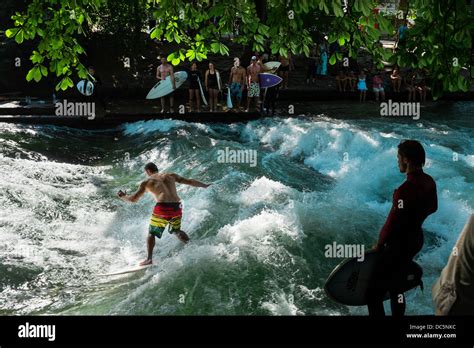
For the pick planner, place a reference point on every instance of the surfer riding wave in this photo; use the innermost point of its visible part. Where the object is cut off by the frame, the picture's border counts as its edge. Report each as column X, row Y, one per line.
column 167, row 211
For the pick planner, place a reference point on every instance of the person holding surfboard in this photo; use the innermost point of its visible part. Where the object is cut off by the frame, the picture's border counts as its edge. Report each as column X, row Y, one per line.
column 167, row 211
column 401, row 237
column 237, row 79
column 253, row 83
column 162, row 72
column 194, row 90
column 213, row 85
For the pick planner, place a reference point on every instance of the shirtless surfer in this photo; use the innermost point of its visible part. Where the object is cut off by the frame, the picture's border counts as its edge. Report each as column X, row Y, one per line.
column 237, row 81
column 253, row 84
column 167, row 210
column 162, row 72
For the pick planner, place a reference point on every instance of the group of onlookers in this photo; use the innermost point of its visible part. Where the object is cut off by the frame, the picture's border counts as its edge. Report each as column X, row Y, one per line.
column 207, row 88
column 411, row 81
column 246, row 79
column 240, row 80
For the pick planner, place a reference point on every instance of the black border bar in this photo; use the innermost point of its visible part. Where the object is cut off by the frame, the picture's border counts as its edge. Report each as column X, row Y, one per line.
column 255, row 330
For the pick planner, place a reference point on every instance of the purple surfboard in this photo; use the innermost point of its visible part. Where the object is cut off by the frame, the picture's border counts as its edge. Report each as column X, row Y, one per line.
column 269, row 80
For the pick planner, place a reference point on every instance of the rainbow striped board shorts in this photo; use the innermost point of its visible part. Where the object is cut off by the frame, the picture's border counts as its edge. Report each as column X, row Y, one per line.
column 165, row 214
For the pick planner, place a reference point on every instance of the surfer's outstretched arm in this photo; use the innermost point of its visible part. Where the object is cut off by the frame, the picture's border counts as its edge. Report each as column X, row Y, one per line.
column 190, row 182
column 136, row 196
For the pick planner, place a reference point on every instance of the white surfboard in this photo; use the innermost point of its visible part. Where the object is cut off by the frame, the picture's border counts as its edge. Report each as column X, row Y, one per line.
column 229, row 99
column 219, row 84
column 165, row 87
column 202, row 92
column 271, row 67
column 85, row 87
column 125, row 271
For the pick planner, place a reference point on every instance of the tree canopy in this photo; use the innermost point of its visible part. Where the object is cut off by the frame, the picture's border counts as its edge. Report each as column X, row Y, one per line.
column 440, row 41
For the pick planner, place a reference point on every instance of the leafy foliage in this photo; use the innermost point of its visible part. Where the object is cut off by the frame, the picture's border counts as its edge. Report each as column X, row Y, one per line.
column 439, row 42
column 56, row 26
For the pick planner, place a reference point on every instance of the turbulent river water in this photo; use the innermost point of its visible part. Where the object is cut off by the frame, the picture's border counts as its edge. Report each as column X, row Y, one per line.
column 258, row 233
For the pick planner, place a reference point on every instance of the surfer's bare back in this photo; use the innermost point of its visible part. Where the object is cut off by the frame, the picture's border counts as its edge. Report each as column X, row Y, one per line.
column 167, row 210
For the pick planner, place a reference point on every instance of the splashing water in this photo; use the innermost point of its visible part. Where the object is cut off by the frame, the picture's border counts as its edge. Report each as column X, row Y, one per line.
column 258, row 233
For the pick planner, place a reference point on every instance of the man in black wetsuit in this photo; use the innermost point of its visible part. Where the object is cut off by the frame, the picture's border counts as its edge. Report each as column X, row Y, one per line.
column 401, row 237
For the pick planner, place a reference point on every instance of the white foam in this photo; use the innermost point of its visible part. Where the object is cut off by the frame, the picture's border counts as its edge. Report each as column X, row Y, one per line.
column 258, row 229
column 262, row 190
column 281, row 305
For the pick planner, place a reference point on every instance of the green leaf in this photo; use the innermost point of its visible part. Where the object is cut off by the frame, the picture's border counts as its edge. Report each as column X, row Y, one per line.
column 36, row 57
column 337, row 9
column 357, row 5
column 156, row 33
column 30, row 74
column 11, row 32
column 191, row 54
column 332, row 60
column 65, row 83
column 341, row 41
column 82, row 73
column 263, row 29
column 306, row 50
column 19, row 37
column 200, row 56
column 37, row 74
column 57, row 43
column 258, row 38
column 215, row 47
column 324, row 6
column 44, row 71
column 283, row 51
column 223, row 50
column 365, row 7
column 168, row 36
